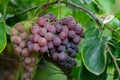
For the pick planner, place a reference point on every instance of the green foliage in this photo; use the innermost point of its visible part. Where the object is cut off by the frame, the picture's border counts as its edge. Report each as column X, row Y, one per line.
column 93, row 54
column 2, row 37
column 94, row 61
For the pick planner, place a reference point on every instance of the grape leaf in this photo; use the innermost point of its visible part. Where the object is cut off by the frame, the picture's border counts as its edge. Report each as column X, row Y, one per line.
column 93, row 54
column 2, row 37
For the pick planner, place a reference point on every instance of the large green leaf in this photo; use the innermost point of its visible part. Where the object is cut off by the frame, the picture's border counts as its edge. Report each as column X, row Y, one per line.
column 93, row 54
column 2, row 37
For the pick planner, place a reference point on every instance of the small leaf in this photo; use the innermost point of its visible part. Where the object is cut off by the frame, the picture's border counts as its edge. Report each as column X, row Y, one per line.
column 93, row 54
column 2, row 37
column 108, row 19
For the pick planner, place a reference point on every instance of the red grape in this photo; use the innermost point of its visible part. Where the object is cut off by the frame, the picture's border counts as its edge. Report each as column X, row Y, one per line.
column 41, row 21
column 42, row 31
column 42, row 42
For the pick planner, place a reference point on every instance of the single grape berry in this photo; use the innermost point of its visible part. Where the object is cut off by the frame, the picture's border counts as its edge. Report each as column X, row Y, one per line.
column 41, row 21
column 65, row 21
column 76, row 39
column 35, row 30
column 44, row 49
column 25, row 52
column 35, row 38
column 47, row 25
column 19, row 27
column 50, row 45
column 35, row 47
column 55, row 56
column 62, row 56
column 61, row 48
column 56, row 41
column 78, row 29
column 73, row 54
column 63, row 35
column 16, row 39
column 49, row 36
column 72, row 25
column 58, row 27
column 42, row 31
column 42, row 42
column 23, row 35
column 71, row 34
column 65, row 29
column 52, row 29
column 13, row 32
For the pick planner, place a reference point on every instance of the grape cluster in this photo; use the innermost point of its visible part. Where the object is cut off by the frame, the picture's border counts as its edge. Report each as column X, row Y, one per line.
column 19, row 37
column 59, row 38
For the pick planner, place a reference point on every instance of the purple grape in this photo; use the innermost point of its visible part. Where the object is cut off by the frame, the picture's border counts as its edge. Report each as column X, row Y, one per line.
column 76, row 39
column 13, row 32
column 53, row 50
column 62, row 56
column 41, row 21
column 52, row 29
column 35, row 47
column 76, row 49
column 70, row 18
column 73, row 54
column 54, row 56
column 65, row 29
column 25, row 52
column 49, row 36
column 47, row 25
column 72, row 45
column 35, row 30
column 63, row 35
column 65, row 21
column 42, row 31
column 56, row 41
column 64, row 42
column 44, row 49
column 71, row 34
column 42, row 42
column 23, row 35
column 72, row 25
column 61, row 48
column 68, row 45
column 29, row 43
column 35, row 38
column 70, row 51
column 19, row 27
column 73, row 63
column 78, row 29
column 50, row 45
column 58, row 27
column 16, row 39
